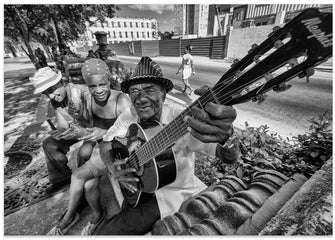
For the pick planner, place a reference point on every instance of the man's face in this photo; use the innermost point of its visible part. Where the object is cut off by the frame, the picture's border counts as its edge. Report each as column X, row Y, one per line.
column 147, row 99
column 56, row 92
column 99, row 87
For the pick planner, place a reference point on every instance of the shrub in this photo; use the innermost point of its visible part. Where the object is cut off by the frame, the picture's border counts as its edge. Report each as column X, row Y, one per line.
column 260, row 150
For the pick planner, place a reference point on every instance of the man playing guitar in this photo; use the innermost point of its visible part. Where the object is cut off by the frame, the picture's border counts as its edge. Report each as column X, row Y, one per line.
column 213, row 124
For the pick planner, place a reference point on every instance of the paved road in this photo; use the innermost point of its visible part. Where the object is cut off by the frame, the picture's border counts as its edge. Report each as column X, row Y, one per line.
column 286, row 113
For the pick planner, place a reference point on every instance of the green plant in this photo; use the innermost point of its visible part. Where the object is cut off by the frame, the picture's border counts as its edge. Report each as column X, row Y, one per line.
column 261, row 150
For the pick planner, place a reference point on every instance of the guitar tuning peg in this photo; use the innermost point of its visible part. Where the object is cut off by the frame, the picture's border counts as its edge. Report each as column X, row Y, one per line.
column 256, row 58
column 274, row 29
column 268, row 76
column 292, row 62
column 307, row 73
column 277, row 44
column 259, row 98
column 253, row 46
column 234, row 62
column 281, row 87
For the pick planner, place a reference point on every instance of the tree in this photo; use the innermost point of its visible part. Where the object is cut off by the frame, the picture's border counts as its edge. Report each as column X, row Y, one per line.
column 166, row 35
column 51, row 24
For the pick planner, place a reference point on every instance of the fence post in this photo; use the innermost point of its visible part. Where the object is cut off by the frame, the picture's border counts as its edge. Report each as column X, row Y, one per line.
column 211, row 48
column 179, row 47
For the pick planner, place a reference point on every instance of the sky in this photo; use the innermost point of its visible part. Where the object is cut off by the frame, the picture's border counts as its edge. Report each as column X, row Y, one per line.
column 162, row 12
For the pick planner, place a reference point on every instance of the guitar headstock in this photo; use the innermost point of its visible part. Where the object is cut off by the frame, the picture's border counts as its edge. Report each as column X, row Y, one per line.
column 293, row 50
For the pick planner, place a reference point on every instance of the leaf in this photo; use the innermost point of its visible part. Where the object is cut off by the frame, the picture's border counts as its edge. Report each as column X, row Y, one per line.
column 239, row 172
column 314, row 154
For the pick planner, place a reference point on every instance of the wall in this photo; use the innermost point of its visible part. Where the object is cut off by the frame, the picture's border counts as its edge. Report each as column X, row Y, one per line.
column 241, row 39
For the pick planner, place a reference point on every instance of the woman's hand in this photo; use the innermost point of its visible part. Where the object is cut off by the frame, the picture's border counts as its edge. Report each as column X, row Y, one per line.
column 93, row 134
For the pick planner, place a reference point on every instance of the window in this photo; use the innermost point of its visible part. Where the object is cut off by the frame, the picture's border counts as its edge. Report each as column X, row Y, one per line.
column 131, row 24
column 109, row 34
column 112, row 24
column 137, row 24
column 138, row 34
column 147, row 25
column 148, row 34
column 132, row 34
column 118, row 24
column 126, row 34
column 120, row 33
column 142, row 25
column 143, row 34
column 106, row 24
column 125, row 24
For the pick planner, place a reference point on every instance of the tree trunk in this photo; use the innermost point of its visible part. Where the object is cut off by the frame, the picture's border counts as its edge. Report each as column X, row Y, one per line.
column 59, row 39
column 23, row 28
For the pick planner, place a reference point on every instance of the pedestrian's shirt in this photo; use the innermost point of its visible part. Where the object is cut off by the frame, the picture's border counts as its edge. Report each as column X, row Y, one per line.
column 188, row 58
column 186, row 185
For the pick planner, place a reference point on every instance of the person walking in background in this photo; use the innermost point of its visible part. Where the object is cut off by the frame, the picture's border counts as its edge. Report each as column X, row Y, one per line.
column 187, row 67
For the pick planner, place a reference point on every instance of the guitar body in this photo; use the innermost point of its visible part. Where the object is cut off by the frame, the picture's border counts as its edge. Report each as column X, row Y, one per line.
column 155, row 172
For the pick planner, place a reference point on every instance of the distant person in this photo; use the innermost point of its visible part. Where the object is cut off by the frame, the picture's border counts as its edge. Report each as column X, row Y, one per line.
column 116, row 67
column 91, row 54
column 42, row 61
column 188, row 68
column 54, row 53
column 113, row 56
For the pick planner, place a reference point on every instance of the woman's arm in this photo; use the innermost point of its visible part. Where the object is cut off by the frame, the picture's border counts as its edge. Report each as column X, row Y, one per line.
column 181, row 67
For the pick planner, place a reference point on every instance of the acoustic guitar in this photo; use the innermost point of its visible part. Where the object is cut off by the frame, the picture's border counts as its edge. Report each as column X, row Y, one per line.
column 303, row 43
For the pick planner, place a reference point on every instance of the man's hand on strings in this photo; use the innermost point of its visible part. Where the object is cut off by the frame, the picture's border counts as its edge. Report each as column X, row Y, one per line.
column 123, row 175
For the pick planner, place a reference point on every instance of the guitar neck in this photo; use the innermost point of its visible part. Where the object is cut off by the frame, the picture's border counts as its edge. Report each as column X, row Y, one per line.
column 171, row 132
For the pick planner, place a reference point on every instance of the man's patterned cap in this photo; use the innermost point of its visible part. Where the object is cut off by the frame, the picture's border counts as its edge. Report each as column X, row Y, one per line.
column 147, row 71
column 94, row 66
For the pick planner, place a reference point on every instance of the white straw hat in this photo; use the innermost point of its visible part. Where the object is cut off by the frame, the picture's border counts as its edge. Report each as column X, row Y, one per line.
column 44, row 78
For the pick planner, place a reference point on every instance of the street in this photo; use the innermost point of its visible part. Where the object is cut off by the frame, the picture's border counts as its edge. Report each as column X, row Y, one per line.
column 286, row 113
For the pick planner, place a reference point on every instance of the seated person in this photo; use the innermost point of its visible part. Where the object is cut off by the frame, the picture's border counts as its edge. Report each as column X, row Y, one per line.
column 101, row 106
column 208, row 129
column 49, row 83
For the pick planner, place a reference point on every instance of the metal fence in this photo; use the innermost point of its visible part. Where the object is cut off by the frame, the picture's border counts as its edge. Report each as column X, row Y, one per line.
column 212, row 47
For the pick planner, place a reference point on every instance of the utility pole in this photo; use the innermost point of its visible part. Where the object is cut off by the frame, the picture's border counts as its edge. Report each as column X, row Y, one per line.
column 218, row 18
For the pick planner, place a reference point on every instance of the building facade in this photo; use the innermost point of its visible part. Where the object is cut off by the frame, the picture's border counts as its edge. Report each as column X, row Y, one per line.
column 203, row 20
column 191, row 20
column 123, row 29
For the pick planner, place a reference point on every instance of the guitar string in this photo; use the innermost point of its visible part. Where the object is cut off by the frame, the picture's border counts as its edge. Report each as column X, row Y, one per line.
column 146, row 152
column 208, row 96
column 221, row 86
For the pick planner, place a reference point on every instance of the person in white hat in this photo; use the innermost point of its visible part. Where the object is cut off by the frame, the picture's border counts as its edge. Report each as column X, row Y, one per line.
column 205, row 129
column 101, row 106
column 49, row 82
